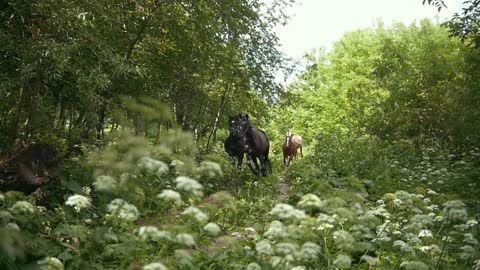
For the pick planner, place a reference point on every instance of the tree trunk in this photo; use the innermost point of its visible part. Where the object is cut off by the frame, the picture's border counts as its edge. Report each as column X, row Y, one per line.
column 213, row 134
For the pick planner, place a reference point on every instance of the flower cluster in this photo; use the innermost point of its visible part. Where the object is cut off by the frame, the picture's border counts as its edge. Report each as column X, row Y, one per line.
column 190, row 185
column 123, row 210
column 211, row 169
column 196, row 213
column 152, row 165
column 169, row 195
column 286, row 211
column 22, row 207
column 78, row 202
column 105, row 183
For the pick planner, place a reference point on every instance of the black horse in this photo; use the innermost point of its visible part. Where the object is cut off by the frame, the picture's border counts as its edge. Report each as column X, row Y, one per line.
column 246, row 139
column 236, row 144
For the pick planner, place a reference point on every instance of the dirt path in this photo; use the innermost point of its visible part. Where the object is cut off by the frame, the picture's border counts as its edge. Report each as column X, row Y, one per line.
column 282, row 187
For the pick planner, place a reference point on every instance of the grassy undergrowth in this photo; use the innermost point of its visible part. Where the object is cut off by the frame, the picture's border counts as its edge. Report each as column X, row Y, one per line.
column 132, row 205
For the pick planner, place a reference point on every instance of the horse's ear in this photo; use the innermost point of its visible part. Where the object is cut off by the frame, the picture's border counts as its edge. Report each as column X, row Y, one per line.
column 246, row 116
column 240, row 115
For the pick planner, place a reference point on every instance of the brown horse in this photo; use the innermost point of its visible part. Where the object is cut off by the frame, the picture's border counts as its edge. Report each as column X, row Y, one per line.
column 290, row 146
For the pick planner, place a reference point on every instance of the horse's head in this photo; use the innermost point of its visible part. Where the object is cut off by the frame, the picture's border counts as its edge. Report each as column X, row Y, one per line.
column 238, row 125
column 288, row 138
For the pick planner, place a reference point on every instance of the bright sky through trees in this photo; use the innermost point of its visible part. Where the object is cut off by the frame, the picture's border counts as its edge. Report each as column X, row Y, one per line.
column 319, row 23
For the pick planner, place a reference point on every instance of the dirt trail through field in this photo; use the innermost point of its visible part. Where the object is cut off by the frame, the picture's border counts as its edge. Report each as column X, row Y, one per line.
column 282, row 187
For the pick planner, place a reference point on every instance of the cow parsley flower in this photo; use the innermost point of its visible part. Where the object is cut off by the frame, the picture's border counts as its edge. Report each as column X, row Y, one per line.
column 369, row 260
column 50, row 263
column 414, row 265
column 196, row 213
column 152, row 165
column 22, row 207
column 310, row 201
column 472, row 223
column 78, row 202
column 212, row 229
column 2, row 197
column 13, row 226
column 210, row 168
column 185, row 239
column 286, row 211
column 286, row 248
column 276, row 230
column 5, row 217
column 155, row 266
column 178, row 165
column 344, row 240
column 123, row 210
column 425, row 233
column 254, row 266
column 264, row 247
column 169, row 195
column 342, row 261
column 190, row 185
column 299, row 268
column 404, row 247
column 310, row 250
column 468, row 252
column 105, row 183
column 153, row 233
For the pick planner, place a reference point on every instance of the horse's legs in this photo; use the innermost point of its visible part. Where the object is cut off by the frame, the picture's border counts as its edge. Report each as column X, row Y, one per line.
column 301, row 154
column 264, row 162
column 285, row 156
column 240, row 160
column 257, row 168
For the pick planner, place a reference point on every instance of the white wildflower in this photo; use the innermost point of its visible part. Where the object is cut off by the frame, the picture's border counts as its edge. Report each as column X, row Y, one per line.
column 404, row 247
column 468, row 238
column 169, row 195
column 310, row 201
column 22, row 207
column 123, row 210
column 50, row 263
column 431, row 191
column 286, row 248
column 472, row 223
column 105, row 183
column 310, row 250
column 212, row 229
column 210, row 168
column 254, row 266
column 178, row 165
column 326, row 218
column 190, row 185
column 86, row 190
column 78, row 202
column 299, row 268
column 196, row 213
column 344, row 240
column 342, row 261
column 286, row 211
column 155, row 266
column 276, row 230
column 369, row 260
column 250, row 230
column 185, row 239
column 425, row 233
column 5, row 216
column 468, row 252
column 264, row 247
column 2, row 197
column 152, row 165
column 13, row 226
column 414, row 265
column 153, row 233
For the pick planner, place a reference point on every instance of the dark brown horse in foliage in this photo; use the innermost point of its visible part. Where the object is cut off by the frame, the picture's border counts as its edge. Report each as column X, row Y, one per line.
column 254, row 142
column 290, row 147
